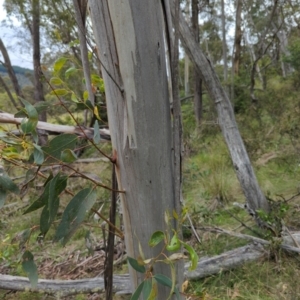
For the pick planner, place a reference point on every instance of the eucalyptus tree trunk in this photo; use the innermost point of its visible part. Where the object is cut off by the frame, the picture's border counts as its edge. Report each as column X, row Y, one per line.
column 224, row 43
column 186, row 57
column 34, row 29
column 236, row 57
column 130, row 41
column 80, row 7
column 197, row 78
column 11, row 74
column 237, row 38
column 227, row 122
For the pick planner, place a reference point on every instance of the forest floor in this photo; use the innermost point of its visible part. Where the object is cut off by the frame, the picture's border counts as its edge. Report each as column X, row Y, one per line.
column 210, row 191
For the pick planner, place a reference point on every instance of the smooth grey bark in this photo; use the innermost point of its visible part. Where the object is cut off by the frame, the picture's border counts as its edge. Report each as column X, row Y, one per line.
column 130, row 42
column 226, row 119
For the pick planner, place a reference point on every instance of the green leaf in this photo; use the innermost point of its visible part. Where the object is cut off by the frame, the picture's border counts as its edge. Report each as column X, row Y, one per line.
column 156, row 238
column 2, row 197
column 6, row 184
column 56, row 81
column 21, row 113
column 147, row 288
column 135, row 265
column 166, row 281
column 193, row 256
column 41, row 106
column 59, row 92
column 28, row 125
column 46, row 218
column 42, row 200
column 96, row 79
column 56, row 186
column 85, row 95
column 96, row 132
column 174, row 244
column 74, row 97
column 38, row 154
column 30, row 110
column 59, row 144
column 68, row 156
column 59, row 63
column 30, row 268
column 138, row 291
column 74, row 214
column 70, row 71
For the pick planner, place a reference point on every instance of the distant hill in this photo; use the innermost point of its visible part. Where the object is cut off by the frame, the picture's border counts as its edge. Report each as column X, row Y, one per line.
column 22, row 74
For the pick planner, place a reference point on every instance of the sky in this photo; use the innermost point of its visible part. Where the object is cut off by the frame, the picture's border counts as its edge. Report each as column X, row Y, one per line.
column 19, row 56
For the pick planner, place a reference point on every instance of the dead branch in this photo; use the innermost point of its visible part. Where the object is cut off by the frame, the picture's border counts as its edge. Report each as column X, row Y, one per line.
column 7, row 118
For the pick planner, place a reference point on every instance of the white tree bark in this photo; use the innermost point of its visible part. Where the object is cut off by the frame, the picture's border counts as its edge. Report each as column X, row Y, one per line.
column 130, row 42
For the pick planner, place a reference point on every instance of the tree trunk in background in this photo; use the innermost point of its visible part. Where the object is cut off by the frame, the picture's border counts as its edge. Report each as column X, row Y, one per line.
column 38, row 74
column 130, row 42
column 80, row 16
column 10, row 96
column 186, row 75
column 11, row 72
column 239, row 156
column 197, row 77
column 237, row 38
column 224, row 43
column 186, row 57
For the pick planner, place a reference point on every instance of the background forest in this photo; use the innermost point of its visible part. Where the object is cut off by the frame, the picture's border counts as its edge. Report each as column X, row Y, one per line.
column 254, row 47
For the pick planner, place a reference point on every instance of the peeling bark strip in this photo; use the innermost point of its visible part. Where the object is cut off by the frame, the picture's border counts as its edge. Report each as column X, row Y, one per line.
column 7, row 118
column 235, row 144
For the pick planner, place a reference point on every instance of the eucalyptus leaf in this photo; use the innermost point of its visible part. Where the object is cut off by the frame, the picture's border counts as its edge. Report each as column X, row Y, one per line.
column 74, row 214
column 156, row 238
column 30, row 268
column 58, row 145
column 137, row 292
column 68, row 156
column 135, row 265
column 59, row 63
column 6, row 184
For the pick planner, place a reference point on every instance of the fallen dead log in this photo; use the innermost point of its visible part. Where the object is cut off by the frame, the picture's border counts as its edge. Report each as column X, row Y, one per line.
column 206, row 266
column 86, row 132
column 121, row 283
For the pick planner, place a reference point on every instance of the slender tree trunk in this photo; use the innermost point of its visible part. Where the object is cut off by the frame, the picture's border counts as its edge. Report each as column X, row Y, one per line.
column 239, row 156
column 130, row 42
column 38, row 74
column 80, row 16
column 224, row 43
column 237, row 46
column 10, row 96
column 237, row 38
column 11, row 72
column 186, row 57
column 197, row 78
